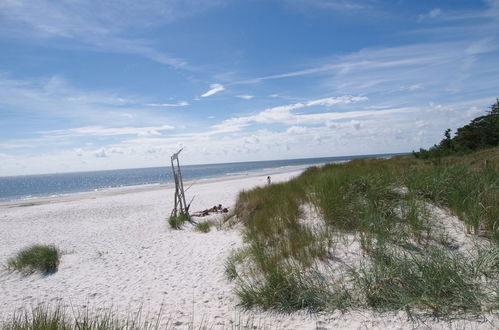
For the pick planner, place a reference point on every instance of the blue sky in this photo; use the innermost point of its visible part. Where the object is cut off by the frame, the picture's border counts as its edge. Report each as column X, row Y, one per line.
column 91, row 85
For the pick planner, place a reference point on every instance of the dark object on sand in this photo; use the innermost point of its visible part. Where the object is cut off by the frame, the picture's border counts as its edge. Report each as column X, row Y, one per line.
column 214, row 209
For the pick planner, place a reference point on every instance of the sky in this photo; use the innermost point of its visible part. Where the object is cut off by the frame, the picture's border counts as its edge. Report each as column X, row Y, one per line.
column 94, row 85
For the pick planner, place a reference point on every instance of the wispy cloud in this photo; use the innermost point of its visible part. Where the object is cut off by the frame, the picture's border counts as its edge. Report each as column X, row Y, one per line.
column 434, row 13
column 245, row 97
column 63, row 104
column 214, row 88
column 446, row 47
column 98, row 24
column 178, row 104
column 109, row 131
column 335, row 5
column 434, row 68
column 345, row 64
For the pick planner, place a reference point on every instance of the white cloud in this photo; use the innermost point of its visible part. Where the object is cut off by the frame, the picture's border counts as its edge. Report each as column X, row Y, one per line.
column 245, row 97
column 474, row 111
column 330, row 101
column 78, row 152
column 214, row 88
column 101, row 153
column 402, row 130
column 297, row 130
column 284, row 115
column 356, row 124
column 109, row 131
column 335, row 5
column 104, row 152
column 178, row 104
column 434, row 13
column 412, row 88
column 61, row 103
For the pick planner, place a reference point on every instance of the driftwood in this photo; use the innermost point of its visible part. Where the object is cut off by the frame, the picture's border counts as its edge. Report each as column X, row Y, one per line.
column 180, row 205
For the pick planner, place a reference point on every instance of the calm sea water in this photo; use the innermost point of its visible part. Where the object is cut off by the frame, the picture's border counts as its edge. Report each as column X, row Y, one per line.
column 33, row 186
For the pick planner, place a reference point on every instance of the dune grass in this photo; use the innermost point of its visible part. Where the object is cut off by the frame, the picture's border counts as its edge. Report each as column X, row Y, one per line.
column 472, row 194
column 177, row 222
column 57, row 318
column 432, row 279
column 384, row 204
column 49, row 317
column 205, row 226
column 42, row 258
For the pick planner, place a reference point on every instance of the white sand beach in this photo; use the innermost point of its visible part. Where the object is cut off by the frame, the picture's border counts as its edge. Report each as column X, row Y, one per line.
column 120, row 253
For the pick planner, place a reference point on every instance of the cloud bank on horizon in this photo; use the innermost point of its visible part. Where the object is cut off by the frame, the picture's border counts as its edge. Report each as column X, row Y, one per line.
column 90, row 85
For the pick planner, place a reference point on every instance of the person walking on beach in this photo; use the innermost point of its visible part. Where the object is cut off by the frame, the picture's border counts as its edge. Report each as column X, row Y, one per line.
column 268, row 180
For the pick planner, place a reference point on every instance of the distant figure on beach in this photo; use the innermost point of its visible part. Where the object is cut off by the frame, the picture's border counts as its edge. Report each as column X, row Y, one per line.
column 268, row 180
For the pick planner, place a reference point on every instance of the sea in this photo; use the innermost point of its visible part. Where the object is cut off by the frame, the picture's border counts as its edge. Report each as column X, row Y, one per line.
column 26, row 187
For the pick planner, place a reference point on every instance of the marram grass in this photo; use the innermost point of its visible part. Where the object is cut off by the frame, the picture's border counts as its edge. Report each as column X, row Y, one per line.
column 177, row 222
column 205, row 226
column 384, row 203
column 42, row 258
column 50, row 317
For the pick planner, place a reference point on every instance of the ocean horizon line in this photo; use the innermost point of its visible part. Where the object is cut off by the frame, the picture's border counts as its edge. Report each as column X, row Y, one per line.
column 209, row 164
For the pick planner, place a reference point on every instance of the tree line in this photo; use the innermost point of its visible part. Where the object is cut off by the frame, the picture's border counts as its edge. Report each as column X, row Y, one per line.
column 481, row 133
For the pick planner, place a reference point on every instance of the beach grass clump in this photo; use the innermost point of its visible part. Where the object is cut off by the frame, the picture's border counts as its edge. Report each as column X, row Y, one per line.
column 432, row 279
column 42, row 258
column 178, row 221
column 471, row 194
column 40, row 318
column 205, row 226
column 46, row 317
column 286, row 290
column 49, row 317
column 236, row 257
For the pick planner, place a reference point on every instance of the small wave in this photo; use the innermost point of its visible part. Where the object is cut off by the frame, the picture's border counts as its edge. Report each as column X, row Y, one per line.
column 236, row 173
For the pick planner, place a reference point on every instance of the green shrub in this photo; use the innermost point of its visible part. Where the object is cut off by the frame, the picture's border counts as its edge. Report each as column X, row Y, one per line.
column 204, row 226
column 43, row 258
column 177, row 222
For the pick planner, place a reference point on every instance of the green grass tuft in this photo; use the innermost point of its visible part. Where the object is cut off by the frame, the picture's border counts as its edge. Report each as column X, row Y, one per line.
column 433, row 280
column 48, row 317
column 43, row 258
column 205, row 226
column 177, row 222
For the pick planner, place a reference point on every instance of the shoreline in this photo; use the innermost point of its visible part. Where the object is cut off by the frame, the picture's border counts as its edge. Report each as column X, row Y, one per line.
column 29, row 200
column 112, row 191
